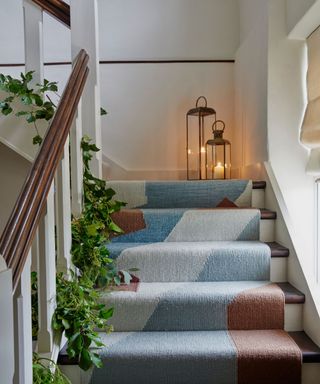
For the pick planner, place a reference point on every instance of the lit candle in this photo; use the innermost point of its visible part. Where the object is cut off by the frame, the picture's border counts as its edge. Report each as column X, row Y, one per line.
column 203, row 162
column 219, row 171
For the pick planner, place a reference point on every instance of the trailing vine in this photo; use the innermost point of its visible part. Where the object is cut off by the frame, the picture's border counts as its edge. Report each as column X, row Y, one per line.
column 78, row 312
column 32, row 103
column 45, row 371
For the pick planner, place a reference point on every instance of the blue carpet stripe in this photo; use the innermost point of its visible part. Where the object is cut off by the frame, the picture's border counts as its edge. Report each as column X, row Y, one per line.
column 168, row 357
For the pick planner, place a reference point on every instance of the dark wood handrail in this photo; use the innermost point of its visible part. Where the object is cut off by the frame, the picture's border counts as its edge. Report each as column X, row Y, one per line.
column 56, row 8
column 17, row 237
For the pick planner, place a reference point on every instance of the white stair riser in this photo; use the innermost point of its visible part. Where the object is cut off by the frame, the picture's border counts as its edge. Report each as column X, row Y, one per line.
column 257, row 200
column 278, row 273
column 293, row 317
column 310, row 373
column 267, row 230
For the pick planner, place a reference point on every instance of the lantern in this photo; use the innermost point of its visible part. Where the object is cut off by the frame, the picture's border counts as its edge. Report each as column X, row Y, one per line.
column 218, row 154
column 198, row 124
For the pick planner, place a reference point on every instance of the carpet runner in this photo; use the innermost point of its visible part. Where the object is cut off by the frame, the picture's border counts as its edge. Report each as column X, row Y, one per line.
column 204, row 309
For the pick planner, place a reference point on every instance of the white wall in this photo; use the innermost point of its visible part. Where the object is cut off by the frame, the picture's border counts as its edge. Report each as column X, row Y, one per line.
column 159, row 29
column 144, row 133
column 296, row 9
column 286, row 104
column 13, row 169
column 250, row 133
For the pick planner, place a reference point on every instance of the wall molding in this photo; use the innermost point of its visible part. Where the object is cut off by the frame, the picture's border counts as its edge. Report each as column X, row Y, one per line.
column 165, row 61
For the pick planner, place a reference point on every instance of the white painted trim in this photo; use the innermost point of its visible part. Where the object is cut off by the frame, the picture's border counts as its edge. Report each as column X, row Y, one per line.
column 307, row 24
column 310, row 280
column 19, row 151
column 6, row 330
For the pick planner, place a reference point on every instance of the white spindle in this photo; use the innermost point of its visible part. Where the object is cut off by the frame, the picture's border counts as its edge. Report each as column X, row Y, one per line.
column 6, row 324
column 85, row 12
column 23, row 327
column 63, row 212
column 46, row 276
column 76, row 163
column 33, row 37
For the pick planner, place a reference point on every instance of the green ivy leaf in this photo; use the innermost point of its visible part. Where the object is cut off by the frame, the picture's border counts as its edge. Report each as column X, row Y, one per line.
column 37, row 140
column 103, row 112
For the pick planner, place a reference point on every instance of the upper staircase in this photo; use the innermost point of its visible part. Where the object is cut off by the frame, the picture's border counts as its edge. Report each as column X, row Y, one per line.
column 210, row 301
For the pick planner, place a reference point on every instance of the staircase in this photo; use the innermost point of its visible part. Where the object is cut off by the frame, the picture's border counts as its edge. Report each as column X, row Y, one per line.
column 211, row 303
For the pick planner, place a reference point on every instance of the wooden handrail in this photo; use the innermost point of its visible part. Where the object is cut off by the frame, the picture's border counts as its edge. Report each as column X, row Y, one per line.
column 56, row 8
column 17, row 237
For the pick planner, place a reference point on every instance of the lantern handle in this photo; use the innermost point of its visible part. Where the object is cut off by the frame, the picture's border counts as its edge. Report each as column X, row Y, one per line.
column 215, row 123
column 205, row 100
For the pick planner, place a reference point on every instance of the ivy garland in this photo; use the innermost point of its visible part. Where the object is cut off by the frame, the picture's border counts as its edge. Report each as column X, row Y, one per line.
column 78, row 312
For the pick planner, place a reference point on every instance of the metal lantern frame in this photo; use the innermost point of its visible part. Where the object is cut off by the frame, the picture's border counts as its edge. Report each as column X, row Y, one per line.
column 218, row 140
column 201, row 112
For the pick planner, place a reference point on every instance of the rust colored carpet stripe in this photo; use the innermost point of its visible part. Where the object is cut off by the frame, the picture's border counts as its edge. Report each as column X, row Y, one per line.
column 267, row 357
column 129, row 220
column 257, row 308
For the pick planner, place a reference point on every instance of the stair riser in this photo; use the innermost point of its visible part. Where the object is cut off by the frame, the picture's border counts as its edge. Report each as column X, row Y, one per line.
column 293, row 319
column 310, row 373
column 267, row 228
column 278, row 272
column 258, row 200
column 292, row 323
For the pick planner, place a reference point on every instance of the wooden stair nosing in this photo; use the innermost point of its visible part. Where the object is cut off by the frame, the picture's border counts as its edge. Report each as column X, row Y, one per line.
column 292, row 295
column 259, row 184
column 266, row 214
column 310, row 350
column 278, row 250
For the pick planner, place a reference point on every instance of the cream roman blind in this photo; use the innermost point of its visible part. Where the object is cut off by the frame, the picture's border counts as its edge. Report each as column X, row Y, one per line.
column 310, row 130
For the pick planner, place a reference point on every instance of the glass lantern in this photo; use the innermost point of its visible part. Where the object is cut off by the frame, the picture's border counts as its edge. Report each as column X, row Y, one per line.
column 218, row 154
column 198, row 126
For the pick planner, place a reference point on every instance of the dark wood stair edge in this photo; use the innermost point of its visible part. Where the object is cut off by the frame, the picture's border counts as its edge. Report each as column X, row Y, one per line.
column 278, row 250
column 259, row 184
column 292, row 295
column 266, row 214
column 310, row 350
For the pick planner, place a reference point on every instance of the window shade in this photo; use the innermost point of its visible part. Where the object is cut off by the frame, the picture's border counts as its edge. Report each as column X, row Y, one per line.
column 310, row 130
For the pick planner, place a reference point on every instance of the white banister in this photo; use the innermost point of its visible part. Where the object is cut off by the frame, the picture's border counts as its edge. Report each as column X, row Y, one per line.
column 6, row 322
column 46, row 276
column 85, row 13
column 63, row 212
column 76, row 163
column 23, row 327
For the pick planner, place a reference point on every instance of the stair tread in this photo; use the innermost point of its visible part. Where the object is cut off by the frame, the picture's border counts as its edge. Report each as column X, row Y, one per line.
column 278, row 250
column 310, row 351
column 259, row 184
column 151, row 289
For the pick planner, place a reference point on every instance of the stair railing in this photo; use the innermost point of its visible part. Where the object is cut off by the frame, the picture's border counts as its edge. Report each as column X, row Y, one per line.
column 56, row 8
column 40, row 225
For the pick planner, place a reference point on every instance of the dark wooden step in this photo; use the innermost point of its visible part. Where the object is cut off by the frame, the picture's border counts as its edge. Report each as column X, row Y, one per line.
column 278, row 250
column 292, row 295
column 260, row 184
column 310, row 350
column 266, row 214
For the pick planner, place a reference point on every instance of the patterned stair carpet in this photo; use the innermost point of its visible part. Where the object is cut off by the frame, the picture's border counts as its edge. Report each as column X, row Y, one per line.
column 204, row 309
